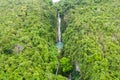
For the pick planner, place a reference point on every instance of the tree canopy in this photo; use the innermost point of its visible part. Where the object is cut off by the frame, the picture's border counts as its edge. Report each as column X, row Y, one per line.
column 90, row 33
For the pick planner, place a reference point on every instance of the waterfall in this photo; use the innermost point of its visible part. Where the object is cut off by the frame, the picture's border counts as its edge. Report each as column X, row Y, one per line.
column 59, row 26
column 59, row 44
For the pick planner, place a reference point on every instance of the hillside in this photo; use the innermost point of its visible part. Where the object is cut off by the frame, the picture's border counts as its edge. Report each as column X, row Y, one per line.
column 27, row 40
column 90, row 33
column 92, row 38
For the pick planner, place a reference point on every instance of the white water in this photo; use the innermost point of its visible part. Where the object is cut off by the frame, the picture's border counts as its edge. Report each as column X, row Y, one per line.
column 59, row 26
column 55, row 1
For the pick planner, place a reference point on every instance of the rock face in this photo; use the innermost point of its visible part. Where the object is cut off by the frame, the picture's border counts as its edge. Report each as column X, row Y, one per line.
column 18, row 48
column 77, row 67
column 70, row 77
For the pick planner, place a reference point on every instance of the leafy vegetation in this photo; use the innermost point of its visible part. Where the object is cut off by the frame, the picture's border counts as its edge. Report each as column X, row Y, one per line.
column 27, row 40
column 92, row 38
column 90, row 33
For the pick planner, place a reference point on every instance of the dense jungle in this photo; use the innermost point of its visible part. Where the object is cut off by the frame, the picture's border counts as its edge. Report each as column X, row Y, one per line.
column 90, row 31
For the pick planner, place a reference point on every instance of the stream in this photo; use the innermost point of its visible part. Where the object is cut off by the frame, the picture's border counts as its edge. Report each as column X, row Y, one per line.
column 59, row 43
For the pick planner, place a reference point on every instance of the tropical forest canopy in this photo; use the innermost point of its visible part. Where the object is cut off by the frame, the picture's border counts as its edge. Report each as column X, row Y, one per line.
column 90, row 33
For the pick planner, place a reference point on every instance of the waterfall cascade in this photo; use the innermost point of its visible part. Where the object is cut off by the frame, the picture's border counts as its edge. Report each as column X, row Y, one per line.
column 59, row 44
column 59, row 26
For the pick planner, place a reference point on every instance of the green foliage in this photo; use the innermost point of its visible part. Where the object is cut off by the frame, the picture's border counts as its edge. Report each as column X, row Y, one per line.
column 92, row 38
column 65, row 64
column 27, row 40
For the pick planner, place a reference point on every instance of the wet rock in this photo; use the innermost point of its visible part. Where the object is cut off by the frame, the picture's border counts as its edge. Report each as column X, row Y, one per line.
column 70, row 77
column 77, row 67
column 18, row 48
